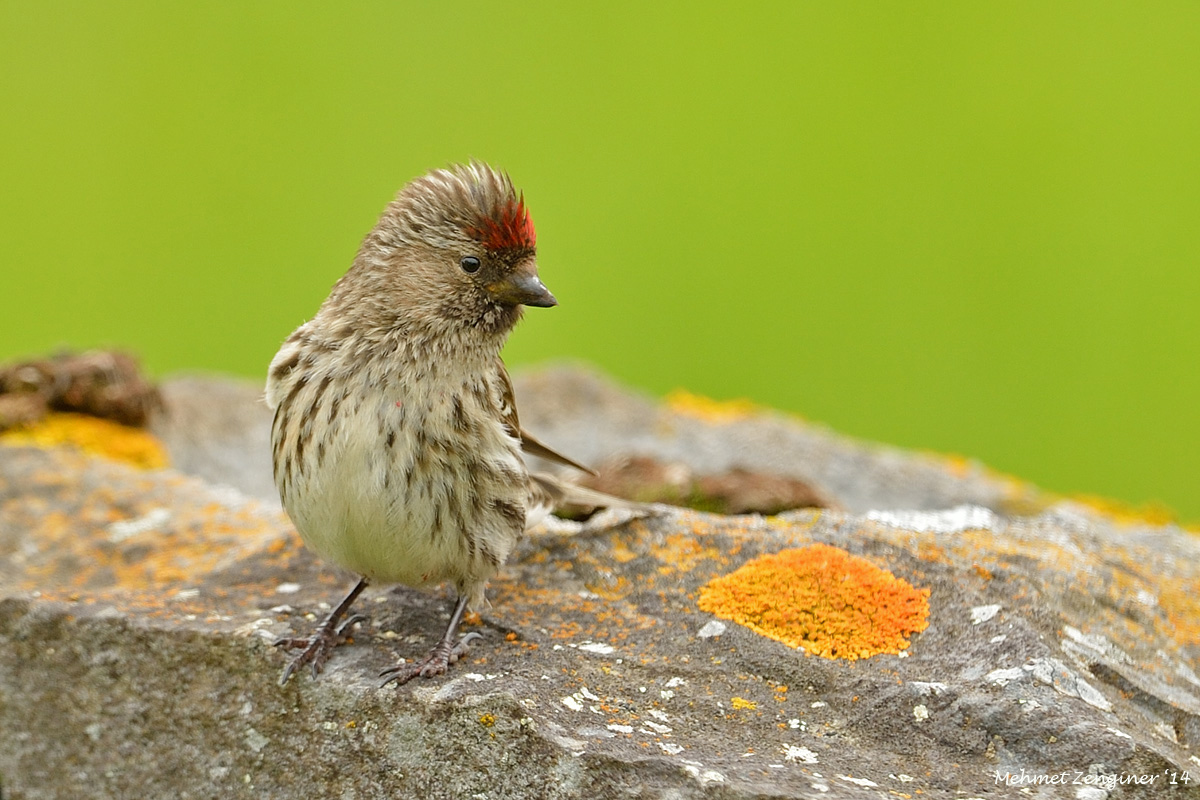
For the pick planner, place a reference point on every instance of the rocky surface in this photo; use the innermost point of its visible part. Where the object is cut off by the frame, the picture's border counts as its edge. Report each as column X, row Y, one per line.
column 136, row 610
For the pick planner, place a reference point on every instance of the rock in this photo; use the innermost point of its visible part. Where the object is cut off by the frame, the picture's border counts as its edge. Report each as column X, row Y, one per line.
column 219, row 430
column 136, row 611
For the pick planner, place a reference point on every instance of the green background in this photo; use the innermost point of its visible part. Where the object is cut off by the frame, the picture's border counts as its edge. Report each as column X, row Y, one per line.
column 963, row 227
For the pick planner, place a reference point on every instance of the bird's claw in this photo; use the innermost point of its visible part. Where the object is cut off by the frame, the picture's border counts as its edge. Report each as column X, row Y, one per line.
column 443, row 654
column 318, row 647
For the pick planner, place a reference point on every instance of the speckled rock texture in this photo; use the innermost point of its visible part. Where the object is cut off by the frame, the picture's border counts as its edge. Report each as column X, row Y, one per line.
column 136, row 611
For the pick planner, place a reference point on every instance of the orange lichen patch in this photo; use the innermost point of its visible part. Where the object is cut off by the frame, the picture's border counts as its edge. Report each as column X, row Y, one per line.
column 94, row 436
column 1181, row 602
column 681, row 551
column 823, row 600
column 705, row 408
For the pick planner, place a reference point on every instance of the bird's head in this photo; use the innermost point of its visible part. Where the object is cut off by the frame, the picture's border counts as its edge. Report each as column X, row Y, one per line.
column 456, row 248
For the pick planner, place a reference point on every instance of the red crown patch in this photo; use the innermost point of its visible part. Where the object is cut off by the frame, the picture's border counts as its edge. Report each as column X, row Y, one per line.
column 511, row 227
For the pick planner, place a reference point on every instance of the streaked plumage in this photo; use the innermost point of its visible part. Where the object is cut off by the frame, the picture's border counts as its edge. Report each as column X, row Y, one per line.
column 397, row 446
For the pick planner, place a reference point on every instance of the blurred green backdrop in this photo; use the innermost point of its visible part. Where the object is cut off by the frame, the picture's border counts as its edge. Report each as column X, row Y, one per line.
column 963, row 227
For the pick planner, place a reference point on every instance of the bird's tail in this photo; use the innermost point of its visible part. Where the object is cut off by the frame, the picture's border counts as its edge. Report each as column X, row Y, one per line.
column 549, row 493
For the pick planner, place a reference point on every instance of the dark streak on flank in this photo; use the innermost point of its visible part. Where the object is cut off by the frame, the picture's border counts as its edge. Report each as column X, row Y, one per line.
column 278, row 427
column 300, row 383
column 461, row 423
column 512, row 513
column 460, row 519
column 435, row 529
column 334, row 405
column 316, row 401
column 310, row 411
column 490, row 555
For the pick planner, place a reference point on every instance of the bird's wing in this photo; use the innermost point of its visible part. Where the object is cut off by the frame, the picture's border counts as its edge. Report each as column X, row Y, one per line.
column 535, row 448
column 508, row 413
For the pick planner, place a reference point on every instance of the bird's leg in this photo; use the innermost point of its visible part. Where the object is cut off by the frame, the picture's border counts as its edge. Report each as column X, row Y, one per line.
column 444, row 653
column 328, row 635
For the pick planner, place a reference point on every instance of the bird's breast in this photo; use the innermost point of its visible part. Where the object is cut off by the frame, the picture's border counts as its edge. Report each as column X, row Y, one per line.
column 411, row 481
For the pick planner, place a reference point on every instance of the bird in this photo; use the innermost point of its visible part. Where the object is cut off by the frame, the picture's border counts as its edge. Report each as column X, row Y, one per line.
column 396, row 445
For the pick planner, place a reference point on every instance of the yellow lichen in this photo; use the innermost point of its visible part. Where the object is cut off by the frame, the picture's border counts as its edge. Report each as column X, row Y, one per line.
column 743, row 703
column 1122, row 513
column 94, row 436
column 694, row 405
column 823, row 600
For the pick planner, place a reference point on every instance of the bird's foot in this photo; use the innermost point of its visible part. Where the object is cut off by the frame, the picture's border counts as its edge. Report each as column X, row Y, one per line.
column 443, row 654
column 316, row 648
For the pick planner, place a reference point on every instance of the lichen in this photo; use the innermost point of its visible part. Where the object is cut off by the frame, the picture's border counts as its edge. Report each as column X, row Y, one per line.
column 705, row 408
column 94, row 436
column 1123, row 513
column 821, row 599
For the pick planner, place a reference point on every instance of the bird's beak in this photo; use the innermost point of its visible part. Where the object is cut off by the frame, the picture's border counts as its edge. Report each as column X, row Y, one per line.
column 522, row 287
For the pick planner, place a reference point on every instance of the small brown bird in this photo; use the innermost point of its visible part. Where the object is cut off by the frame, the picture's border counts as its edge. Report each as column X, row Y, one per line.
column 397, row 448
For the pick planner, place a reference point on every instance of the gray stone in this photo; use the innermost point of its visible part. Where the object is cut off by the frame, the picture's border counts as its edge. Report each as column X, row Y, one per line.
column 219, row 430
column 136, row 611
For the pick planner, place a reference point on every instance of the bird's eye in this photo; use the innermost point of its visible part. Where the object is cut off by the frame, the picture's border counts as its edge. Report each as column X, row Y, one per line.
column 469, row 264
